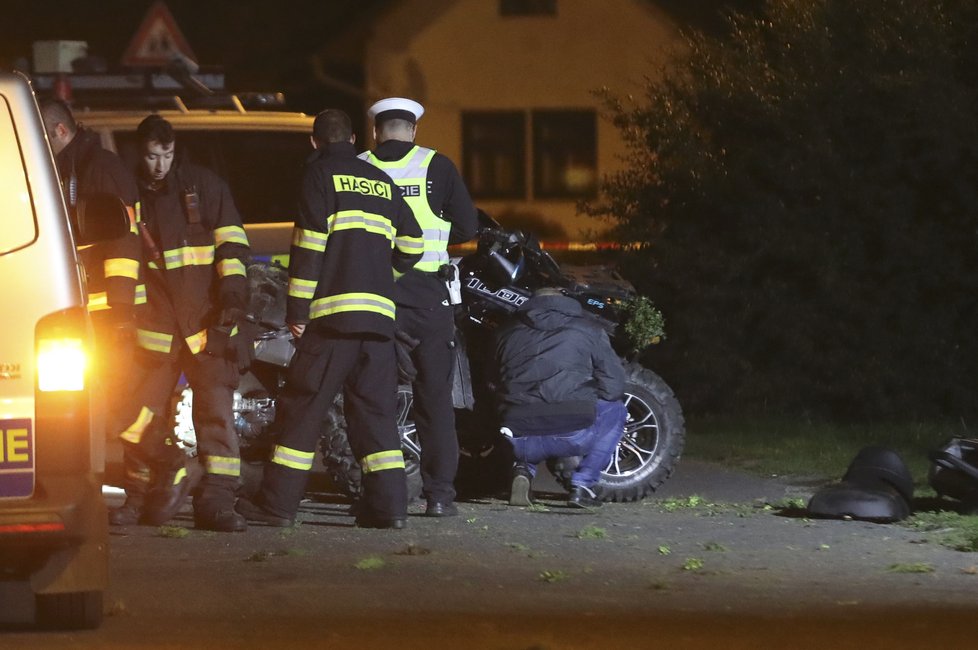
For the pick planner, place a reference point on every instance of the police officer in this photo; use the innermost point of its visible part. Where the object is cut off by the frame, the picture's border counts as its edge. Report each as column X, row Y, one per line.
column 434, row 190
column 341, row 311
column 197, row 292
column 112, row 268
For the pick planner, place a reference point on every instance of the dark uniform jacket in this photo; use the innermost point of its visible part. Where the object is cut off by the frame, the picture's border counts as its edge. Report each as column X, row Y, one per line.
column 449, row 198
column 353, row 227
column 554, row 363
column 112, row 267
column 202, row 254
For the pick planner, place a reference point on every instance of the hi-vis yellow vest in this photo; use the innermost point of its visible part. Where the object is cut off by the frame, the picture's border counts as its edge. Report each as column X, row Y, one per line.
column 410, row 173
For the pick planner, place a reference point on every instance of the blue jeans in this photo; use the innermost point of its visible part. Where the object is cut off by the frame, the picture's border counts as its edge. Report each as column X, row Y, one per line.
column 595, row 443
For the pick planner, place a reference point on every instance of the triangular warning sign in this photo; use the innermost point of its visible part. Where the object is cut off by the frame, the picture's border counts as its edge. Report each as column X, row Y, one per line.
column 157, row 40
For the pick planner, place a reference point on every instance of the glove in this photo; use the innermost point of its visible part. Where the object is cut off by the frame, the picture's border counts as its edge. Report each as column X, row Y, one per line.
column 230, row 316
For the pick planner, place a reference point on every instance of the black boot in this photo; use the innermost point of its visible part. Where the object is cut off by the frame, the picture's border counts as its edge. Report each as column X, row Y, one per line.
column 129, row 513
column 168, row 493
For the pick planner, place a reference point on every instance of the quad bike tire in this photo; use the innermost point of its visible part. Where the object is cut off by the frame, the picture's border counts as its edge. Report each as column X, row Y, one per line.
column 651, row 446
column 342, row 468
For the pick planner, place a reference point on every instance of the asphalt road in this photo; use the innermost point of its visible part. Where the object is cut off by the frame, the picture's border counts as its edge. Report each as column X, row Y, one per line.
column 700, row 564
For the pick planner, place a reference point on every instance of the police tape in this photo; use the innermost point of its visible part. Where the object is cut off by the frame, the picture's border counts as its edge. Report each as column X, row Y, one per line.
column 564, row 246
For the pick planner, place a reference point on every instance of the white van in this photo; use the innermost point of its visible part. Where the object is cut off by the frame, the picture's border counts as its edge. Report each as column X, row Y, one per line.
column 53, row 523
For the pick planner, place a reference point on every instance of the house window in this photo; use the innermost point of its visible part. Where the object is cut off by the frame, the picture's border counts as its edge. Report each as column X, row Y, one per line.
column 565, row 158
column 527, row 7
column 493, row 154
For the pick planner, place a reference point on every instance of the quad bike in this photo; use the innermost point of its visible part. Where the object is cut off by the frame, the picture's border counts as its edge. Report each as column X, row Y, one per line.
column 495, row 280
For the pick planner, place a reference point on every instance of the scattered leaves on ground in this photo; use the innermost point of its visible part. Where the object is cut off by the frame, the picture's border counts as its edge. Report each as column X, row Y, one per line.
column 971, row 570
column 173, row 532
column 471, row 520
column 553, row 576
column 715, row 547
column 537, row 507
column 949, row 529
column 673, row 504
column 290, row 530
column 911, row 567
column 592, row 532
column 693, row 564
column 664, row 549
column 371, row 563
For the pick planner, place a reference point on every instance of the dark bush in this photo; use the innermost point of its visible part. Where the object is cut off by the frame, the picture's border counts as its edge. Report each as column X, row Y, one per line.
column 806, row 187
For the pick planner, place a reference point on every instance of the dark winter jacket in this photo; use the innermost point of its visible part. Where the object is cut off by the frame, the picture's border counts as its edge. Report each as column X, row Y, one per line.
column 353, row 230
column 112, row 267
column 553, row 363
column 203, row 252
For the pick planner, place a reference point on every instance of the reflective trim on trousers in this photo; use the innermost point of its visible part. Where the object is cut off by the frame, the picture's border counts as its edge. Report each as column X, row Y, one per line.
column 223, row 465
column 300, row 460
column 382, row 460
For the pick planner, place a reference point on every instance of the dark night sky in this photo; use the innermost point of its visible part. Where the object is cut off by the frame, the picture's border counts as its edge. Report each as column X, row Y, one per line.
column 262, row 45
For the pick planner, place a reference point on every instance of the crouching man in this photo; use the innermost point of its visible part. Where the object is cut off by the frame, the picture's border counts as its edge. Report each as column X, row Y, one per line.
column 560, row 388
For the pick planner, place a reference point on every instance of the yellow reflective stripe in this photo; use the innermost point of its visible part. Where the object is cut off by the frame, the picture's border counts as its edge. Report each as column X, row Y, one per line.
column 309, row 239
column 281, row 260
column 223, row 465
column 301, row 460
column 121, row 267
column 134, row 432
column 180, row 475
column 98, row 301
column 155, row 341
column 230, row 267
column 299, row 288
column 382, row 460
column 356, row 219
column 140, row 298
column 197, row 342
column 188, row 256
column 352, row 302
column 133, row 218
column 152, row 265
column 407, row 244
column 230, row 235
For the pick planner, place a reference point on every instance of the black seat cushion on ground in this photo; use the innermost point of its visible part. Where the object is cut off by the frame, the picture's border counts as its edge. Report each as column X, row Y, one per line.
column 877, row 486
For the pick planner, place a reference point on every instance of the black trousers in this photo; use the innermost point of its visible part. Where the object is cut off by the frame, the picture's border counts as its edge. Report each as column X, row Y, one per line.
column 366, row 370
column 434, row 413
column 147, row 436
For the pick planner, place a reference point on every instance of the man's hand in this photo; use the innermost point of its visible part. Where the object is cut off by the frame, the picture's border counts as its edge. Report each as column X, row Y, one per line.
column 297, row 329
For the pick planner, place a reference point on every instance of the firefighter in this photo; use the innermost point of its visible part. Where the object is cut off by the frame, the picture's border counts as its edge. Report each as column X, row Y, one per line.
column 112, row 268
column 434, row 190
column 197, row 288
column 352, row 227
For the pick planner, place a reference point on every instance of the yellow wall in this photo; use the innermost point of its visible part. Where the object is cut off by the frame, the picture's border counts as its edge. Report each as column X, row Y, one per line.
column 458, row 55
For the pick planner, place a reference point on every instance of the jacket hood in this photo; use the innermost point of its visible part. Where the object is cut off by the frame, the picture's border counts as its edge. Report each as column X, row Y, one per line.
column 549, row 312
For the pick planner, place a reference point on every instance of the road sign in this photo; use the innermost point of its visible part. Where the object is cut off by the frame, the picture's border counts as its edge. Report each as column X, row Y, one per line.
column 157, row 41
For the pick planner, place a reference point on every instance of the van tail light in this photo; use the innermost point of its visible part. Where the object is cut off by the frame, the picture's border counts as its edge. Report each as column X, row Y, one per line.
column 62, row 364
column 63, row 391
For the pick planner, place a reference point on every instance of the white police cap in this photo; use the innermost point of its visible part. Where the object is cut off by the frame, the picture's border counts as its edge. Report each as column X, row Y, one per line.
column 396, row 108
